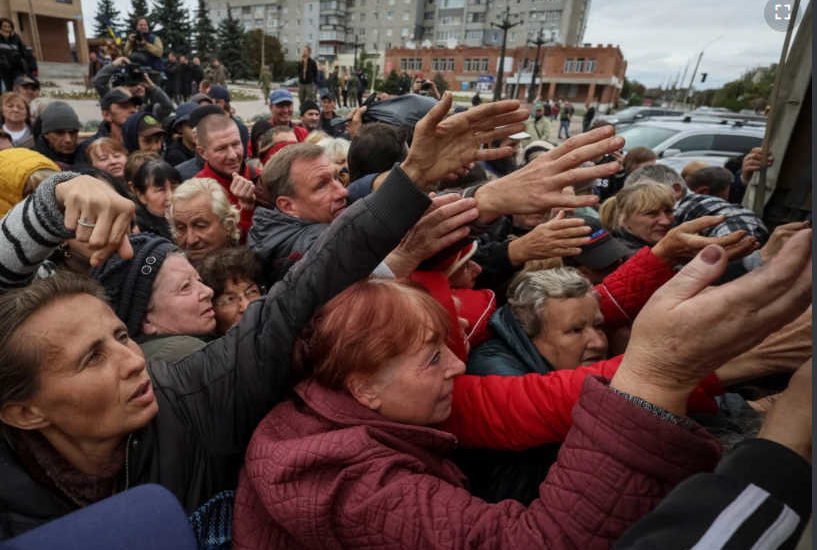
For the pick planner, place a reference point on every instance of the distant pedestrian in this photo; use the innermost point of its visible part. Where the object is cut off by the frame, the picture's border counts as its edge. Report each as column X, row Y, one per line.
column 307, row 74
column 265, row 83
column 343, row 85
column 565, row 112
column 589, row 115
column 352, row 87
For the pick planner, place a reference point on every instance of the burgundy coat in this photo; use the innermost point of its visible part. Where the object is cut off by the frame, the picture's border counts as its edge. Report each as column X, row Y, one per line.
column 324, row 472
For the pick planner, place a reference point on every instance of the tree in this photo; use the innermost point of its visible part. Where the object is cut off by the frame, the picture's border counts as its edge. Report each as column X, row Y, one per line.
column 170, row 23
column 750, row 91
column 106, row 15
column 440, row 83
column 205, row 34
column 139, row 9
column 232, row 41
column 392, row 83
column 273, row 55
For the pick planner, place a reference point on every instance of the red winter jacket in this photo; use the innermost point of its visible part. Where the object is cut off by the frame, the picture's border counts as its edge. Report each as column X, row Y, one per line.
column 624, row 292
column 323, row 472
column 245, row 221
column 521, row 412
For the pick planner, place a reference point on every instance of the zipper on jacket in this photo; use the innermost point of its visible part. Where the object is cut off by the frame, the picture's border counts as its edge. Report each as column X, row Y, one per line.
column 127, row 462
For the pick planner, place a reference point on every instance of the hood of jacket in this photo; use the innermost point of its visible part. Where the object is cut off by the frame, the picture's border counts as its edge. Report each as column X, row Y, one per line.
column 510, row 349
column 130, row 131
column 276, row 236
column 63, row 161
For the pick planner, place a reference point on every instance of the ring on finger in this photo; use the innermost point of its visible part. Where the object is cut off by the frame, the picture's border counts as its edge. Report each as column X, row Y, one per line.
column 86, row 223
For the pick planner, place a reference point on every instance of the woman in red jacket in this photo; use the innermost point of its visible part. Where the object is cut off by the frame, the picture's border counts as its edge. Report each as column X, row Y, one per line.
column 355, row 459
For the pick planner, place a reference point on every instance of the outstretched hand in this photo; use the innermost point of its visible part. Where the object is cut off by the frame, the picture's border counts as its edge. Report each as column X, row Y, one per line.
column 684, row 241
column 99, row 216
column 687, row 329
column 441, row 146
column 537, row 186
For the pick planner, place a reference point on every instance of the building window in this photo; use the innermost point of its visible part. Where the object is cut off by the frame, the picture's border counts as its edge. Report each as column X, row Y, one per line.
column 467, row 66
column 569, row 64
column 388, row 32
column 405, row 16
column 553, row 15
column 363, row 16
column 402, row 63
column 450, row 63
column 478, row 17
column 484, row 67
column 590, row 66
column 579, row 65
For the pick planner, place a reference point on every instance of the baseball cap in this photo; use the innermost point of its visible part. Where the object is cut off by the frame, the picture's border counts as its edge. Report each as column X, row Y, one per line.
column 280, row 96
column 118, row 96
column 199, row 97
column 328, row 96
column 183, row 113
column 220, row 92
column 202, row 111
column 149, row 126
column 603, row 249
column 26, row 80
column 309, row 105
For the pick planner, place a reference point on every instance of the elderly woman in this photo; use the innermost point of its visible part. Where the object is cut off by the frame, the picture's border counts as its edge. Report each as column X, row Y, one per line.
column 202, row 218
column 108, row 155
column 234, row 275
column 15, row 117
column 152, row 187
column 357, row 458
column 640, row 214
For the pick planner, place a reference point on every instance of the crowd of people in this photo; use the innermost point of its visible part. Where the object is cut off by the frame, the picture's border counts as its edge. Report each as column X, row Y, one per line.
column 407, row 327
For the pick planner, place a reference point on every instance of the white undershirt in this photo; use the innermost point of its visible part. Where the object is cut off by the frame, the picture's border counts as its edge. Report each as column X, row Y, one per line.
column 15, row 136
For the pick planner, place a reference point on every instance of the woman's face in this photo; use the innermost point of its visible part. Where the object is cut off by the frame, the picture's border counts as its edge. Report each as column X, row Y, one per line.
column 14, row 111
column 572, row 333
column 93, row 385
column 179, row 303
column 416, row 387
column 5, row 28
column 231, row 303
column 650, row 226
column 156, row 199
column 112, row 162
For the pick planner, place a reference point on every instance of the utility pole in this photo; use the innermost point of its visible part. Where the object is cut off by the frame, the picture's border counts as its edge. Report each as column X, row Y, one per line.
column 506, row 25
column 539, row 43
column 356, row 45
column 688, row 94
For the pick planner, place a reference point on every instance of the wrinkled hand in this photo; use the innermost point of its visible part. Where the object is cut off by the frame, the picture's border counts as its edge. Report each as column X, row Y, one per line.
column 687, row 330
column 354, row 125
column 95, row 202
column 244, row 190
column 789, row 420
column 683, row 241
column 555, row 238
column 119, row 61
column 537, row 186
column 752, row 162
column 778, row 238
column 442, row 145
column 444, row 223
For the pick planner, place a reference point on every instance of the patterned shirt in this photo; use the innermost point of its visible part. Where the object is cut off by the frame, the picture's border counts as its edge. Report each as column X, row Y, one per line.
column 694, row 206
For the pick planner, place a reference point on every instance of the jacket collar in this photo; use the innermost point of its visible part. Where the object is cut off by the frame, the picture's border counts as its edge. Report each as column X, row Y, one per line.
column 507, row 329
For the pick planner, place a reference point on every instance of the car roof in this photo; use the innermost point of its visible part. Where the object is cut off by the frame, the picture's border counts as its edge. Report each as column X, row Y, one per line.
column 677, row 124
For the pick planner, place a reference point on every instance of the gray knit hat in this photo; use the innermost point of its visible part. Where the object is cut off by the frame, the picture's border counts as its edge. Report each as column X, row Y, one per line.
column 129, row 283
column 59, row 116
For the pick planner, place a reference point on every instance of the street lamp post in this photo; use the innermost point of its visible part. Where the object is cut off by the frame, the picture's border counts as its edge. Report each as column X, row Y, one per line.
column 506, row 25
column 356, row 45
column 539, row 43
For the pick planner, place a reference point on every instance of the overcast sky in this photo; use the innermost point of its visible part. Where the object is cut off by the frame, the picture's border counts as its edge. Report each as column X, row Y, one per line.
column 659, row 37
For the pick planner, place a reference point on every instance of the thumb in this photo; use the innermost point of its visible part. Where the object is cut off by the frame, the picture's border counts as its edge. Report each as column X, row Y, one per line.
column 702, row 271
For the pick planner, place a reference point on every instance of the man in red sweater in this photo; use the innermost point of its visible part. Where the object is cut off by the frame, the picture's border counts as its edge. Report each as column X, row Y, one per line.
column 218, row 142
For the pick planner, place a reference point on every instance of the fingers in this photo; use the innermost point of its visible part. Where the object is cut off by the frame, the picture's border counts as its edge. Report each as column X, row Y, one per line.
column 587, row 138
column 480, row 118
column 436, row 114
column 699, row 224
column 740, row 249
column 441, row 200
column 519, row 115
column 500, row 133
column 580, row 175
column 560, row 200
column 791, row 227
column 590, row 151
column 494, row 153
column 704, row 269
column 102, row 230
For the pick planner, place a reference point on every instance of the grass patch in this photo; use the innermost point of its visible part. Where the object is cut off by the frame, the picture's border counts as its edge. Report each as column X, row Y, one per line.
column 241, row 95
column 84, row 94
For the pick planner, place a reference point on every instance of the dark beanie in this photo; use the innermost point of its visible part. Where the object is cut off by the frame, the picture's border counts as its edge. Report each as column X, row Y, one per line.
column 307, row 105
column 58, row 116
column 129, row 283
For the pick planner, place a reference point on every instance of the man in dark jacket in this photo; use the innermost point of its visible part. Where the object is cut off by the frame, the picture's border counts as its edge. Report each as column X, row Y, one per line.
column 138, row 83
column 196, row 73
column 588, row 117
column 58, row 140
column 307, row 75
column 173, row 72
column 185, row 78
column 117, row 106
column 182, row 148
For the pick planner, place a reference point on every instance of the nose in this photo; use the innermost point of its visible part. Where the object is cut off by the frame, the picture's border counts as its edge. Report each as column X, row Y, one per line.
column 665, row 218
column 454, row 367
column 205, row 293
column 341, row 192
column 133, row 362
column 243, row 302
column 597, row 340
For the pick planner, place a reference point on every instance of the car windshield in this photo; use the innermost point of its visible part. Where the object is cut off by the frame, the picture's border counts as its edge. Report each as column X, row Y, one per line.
column 629, row 112
column 645, row 136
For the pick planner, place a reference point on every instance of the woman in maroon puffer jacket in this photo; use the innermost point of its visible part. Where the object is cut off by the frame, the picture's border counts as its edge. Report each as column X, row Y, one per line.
column 354, row 459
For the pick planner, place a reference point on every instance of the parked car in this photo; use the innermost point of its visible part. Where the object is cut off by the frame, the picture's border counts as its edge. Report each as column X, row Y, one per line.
column 631, row 115
column 290, row 82
column 676, row 138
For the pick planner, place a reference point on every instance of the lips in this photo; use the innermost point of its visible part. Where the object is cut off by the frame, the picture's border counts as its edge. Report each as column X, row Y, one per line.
column 209, row 312
column 144, row 393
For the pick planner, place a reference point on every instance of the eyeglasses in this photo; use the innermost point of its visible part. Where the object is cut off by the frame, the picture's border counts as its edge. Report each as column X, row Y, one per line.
column 232, row 299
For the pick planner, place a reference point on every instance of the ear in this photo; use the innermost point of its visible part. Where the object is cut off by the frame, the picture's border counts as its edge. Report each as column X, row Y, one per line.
column 23, row 416
column 702, row 190
column 106, row 116
column 148, row 328
column 678, row 189
column 364, row 391
column 200, row 150
column 287, row 206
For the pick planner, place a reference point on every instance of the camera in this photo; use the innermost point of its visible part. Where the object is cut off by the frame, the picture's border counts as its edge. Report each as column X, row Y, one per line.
column 128, row 75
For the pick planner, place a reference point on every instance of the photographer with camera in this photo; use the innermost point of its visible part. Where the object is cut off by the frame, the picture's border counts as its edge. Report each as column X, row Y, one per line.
column 124, row 72
column 144, row 48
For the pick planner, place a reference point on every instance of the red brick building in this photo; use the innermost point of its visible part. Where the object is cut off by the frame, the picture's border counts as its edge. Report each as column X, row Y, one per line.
column 580, row 74
column 43, row 25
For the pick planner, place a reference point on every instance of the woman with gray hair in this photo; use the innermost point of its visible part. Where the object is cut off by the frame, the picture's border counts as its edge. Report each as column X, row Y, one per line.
column 202, row 219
